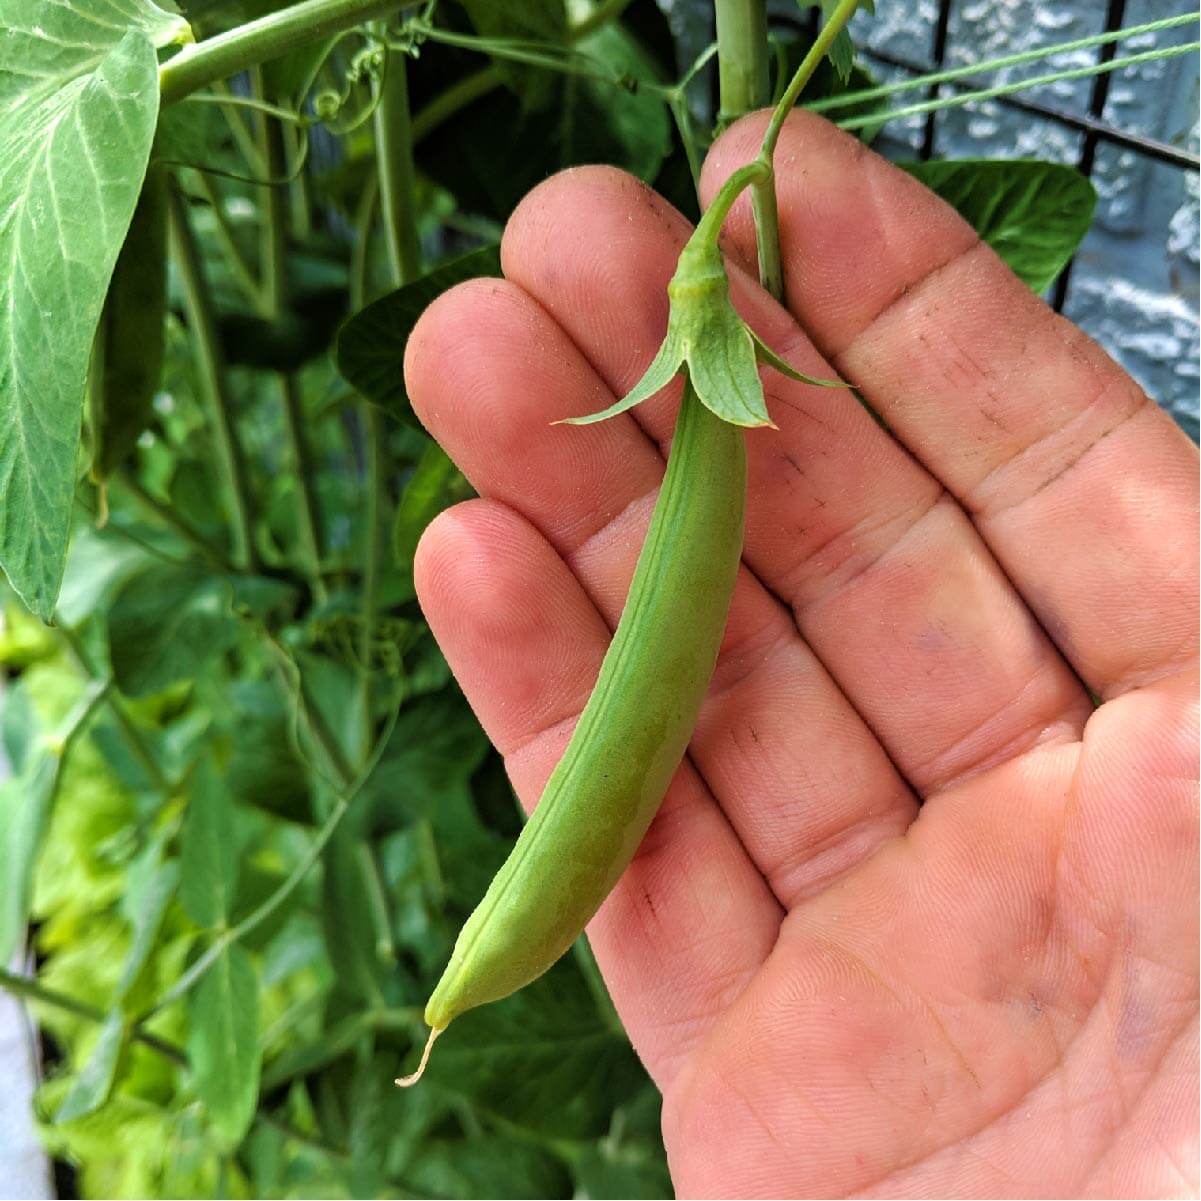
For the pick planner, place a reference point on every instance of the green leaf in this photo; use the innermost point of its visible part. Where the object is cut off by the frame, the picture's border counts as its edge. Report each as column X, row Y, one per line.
column 602, row 1171
column 166, row 624
column 263, row 768
column 370, row 346
column 1033, row 214
column 543, row 21
column 542, row 1058
column 436, row 484
column 98, row 562
column 493, row 152
column 488, row 1166
column 841, row 53
column 152, row 886
column 94, row 1081
column 207, row 866
column 26, row 801
column 78, row 103
column 49, row 43
column 223, row 1043
column 354, row 933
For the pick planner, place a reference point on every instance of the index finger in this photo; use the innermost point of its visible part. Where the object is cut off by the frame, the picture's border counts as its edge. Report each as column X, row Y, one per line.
column 1084, row 489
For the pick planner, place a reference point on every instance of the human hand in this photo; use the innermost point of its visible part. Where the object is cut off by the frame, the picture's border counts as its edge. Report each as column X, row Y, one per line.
column 838, row 992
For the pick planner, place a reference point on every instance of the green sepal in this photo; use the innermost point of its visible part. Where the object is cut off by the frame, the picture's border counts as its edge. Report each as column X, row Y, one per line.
column 769, row 356
column 664, row 365
column 722, row 367
column 706, row 335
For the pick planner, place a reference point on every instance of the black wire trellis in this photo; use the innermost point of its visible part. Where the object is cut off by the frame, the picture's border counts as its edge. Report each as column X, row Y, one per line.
column 1092, row 124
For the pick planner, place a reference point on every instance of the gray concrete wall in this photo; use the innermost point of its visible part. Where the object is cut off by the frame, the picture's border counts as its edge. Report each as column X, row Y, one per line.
column 1135, row 283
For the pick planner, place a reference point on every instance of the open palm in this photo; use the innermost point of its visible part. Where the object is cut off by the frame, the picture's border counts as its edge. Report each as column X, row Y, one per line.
column 839, row 992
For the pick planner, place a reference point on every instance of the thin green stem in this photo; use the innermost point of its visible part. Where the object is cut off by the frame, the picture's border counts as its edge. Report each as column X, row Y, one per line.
column 176, row 524
column 269, row 37
column 212, row 373
column 764, row 203
column 531, row 54
column 295, row 878
column 398, row 208
column 377, row 902
column 456, row 97
column 238, row 266
column 273, row 270
column 920, row 82
column 1007, row 89
column 288, row 115
column 31, row 990
column 397, row 174
column 307, row 514
column 272, row 227
column 238, row 128
column 680, row 114
column 821, row 44
column 375, row 434
column 742, row 64
column 364, row 219
column 719, row 207
column 300, row 209
column 133, row 736
column 743, row 88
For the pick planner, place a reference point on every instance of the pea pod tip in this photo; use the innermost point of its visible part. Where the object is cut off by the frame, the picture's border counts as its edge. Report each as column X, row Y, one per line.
column 411, row 1079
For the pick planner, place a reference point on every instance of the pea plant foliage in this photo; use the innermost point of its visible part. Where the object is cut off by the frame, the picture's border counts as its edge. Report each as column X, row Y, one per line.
column 247, row 809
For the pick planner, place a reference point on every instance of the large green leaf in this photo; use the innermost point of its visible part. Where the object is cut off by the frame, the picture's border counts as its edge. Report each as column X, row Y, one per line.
column 539, row 21
column 165, row 624
column 50, row 43
column 1033, row 214
column 370, row 347
column 208, row 871
column 26, row 801
column 151, row 886
column 94, row 1081
column 489, row 1166
column 78, row 105
column 494, row 151
column 223, row 1043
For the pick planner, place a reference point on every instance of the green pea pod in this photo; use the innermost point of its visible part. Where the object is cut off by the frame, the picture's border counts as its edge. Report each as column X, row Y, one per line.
column 631, row 735
column 128, row 358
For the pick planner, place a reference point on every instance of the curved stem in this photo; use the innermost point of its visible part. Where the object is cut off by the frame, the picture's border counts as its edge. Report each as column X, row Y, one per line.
column 719, row 207
column 767, row 222
column 821, row 44
column 743, row 90
column 258, row 41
